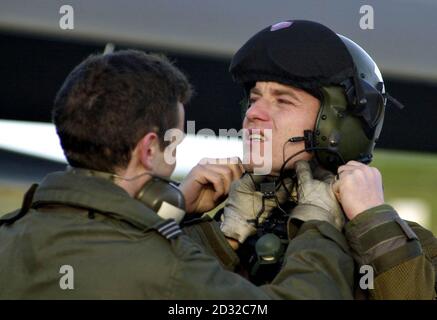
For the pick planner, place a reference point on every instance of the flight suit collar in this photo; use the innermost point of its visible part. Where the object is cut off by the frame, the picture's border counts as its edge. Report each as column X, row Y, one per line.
column 75, row 189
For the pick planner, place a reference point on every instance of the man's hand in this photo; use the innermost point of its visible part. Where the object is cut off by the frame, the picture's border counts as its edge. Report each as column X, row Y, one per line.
column 208, row 183
column 316, row 200
column 245, row 203
column 358, row 188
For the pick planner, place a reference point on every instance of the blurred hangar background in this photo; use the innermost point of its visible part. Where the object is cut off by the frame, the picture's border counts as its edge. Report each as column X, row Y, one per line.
column 201, row 36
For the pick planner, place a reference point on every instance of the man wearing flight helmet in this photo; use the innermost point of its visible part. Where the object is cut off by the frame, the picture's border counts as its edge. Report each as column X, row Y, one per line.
column 319, row 99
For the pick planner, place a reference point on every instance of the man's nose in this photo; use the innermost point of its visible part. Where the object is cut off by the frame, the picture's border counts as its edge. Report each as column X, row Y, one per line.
column 258, row 110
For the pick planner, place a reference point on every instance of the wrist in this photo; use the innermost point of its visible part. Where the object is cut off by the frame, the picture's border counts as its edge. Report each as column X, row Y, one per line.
column 380, row 238
column 359, row 208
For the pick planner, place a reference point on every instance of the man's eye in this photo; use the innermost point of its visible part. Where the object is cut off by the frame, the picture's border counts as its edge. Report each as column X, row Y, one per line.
column 252, row 100
column 284, row 101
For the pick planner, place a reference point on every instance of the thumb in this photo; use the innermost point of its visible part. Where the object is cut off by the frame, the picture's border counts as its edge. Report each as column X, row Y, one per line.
column 303, row 172
column 335, row 186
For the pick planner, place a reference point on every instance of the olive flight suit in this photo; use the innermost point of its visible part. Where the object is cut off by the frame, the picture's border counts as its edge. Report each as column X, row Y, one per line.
column 83, row 237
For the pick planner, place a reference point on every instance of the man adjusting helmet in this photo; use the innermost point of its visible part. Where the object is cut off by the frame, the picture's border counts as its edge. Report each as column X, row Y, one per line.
column 316, row 100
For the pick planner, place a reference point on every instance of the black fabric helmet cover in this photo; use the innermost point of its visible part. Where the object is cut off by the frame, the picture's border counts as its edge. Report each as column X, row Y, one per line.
column 313, row 56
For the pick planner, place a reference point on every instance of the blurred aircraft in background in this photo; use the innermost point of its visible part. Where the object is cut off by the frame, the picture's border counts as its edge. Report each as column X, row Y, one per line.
column 37, row 139
column 201, row 36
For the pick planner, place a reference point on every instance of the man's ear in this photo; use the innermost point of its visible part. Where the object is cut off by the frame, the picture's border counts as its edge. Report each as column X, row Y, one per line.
column 148, row 148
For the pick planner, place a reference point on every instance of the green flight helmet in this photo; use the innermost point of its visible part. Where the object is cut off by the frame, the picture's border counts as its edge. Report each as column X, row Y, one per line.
column 348, row 124
column 331, row 67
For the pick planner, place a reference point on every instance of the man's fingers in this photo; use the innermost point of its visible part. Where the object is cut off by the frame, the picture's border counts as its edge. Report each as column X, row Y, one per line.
column 226, row 174
column 303, row 172
column 355, row 163
column 348, row 167
column 233, row 163
column 237, row 164
column 237, row 167
column 237, row 170
column 217, row 181
column 358, row 169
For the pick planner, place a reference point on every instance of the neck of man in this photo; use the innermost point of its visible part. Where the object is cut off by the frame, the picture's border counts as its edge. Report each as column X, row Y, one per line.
column 133, row 179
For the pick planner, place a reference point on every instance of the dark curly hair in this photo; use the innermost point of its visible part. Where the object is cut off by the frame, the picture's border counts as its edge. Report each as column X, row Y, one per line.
column 109, row 102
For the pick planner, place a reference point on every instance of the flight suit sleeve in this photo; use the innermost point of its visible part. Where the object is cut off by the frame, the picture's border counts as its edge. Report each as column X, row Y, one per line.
column 316, row 266
column 379, row 238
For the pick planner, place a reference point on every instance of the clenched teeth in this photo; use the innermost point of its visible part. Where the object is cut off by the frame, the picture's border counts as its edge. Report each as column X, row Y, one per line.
column 256, row 137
